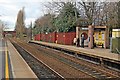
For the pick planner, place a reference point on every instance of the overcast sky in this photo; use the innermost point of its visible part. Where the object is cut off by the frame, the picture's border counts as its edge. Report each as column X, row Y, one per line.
column 9, row 10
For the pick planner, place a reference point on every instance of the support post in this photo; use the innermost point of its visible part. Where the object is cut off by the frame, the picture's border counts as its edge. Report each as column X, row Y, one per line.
column 106, row 44
column 77, row 31
column 90, row 36
column 77, row 35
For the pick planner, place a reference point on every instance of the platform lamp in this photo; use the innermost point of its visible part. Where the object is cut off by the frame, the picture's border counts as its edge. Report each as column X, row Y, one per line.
column 31, row 33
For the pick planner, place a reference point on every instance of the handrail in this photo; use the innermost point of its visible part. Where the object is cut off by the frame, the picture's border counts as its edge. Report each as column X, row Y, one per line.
column 117, row 51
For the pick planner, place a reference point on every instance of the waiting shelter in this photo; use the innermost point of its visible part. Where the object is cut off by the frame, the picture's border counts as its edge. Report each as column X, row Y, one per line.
column 94, row 35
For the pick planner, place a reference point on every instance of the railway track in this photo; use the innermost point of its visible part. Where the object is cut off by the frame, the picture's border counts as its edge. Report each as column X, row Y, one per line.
column 72, row 62
column 64, row 70
column 81, row 65
column 40, row 68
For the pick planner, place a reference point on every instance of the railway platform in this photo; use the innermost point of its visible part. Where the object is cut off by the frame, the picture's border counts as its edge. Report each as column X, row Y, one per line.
column 2, row 58
column 12, row 65
column 96, row 52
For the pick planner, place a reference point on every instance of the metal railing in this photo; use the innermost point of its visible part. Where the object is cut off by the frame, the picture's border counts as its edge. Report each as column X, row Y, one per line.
column 117, row 51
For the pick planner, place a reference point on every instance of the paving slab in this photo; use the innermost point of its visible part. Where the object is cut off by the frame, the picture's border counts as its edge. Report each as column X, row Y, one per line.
column 20, row 68
column 105, row 53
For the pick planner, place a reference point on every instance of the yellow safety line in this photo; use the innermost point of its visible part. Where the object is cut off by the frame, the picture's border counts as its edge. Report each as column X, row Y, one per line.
column 6, row 64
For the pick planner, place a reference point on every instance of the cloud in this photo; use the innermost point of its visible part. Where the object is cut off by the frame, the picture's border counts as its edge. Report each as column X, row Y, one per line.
column 8, row 18
column 25, row 1
column 9, row 6
column 9, row 21
column 9, row 10
column 29, row 20
column 33, row 9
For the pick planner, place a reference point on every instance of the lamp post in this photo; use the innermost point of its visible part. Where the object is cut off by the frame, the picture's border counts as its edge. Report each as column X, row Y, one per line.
column 31, row 34
column 75, row 11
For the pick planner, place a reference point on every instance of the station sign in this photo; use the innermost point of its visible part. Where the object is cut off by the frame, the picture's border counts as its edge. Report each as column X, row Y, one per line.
column 84, row 28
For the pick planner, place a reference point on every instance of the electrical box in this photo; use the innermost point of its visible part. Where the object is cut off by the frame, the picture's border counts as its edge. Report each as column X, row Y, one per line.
column 115, row 41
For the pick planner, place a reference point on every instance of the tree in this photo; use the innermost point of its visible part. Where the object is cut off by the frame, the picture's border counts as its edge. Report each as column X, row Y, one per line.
column 1, row 28
column 67, row 14
column 20, row 25
column 109, row 15
column 66, row 19
column 44, row 24
column 118, row 13
column 88, row 11
column 29, row 32
column 99, row 13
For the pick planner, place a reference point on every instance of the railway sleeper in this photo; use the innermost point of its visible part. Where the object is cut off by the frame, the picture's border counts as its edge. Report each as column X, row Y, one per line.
column 89, row 58
column 40, row 70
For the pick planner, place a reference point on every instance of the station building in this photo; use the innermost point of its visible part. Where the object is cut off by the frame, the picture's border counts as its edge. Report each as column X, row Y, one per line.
column 9, row 33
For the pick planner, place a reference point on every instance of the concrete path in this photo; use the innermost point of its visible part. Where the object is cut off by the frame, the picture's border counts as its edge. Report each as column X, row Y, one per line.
column 2, row 51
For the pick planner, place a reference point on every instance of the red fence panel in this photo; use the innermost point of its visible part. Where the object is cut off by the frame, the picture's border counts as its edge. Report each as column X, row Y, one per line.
column 43, row 37
column 69, row 37
column 37, row 37
column 60, row 38
column 52, row 37
column 47, row 39
column 65, row 38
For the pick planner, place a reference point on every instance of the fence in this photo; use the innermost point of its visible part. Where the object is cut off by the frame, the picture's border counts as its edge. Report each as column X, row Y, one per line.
column 60, row 38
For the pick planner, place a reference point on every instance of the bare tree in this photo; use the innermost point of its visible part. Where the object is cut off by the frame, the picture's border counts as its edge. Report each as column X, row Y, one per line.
column 54, row 7
column 108, row 14
column 1, row 28
column 89, row 10
column 20, row 25
column 99, row 13
column 44, row 24
column 92, row 13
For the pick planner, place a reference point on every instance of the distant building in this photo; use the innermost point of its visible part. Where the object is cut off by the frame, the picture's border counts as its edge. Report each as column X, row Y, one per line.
column 9, row 33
